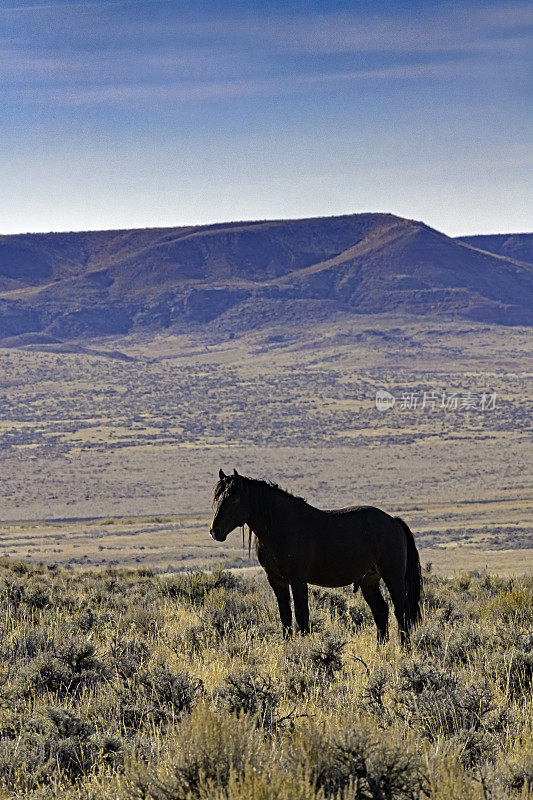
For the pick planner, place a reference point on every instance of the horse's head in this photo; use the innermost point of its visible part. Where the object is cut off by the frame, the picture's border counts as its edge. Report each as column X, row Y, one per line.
column 231, row 508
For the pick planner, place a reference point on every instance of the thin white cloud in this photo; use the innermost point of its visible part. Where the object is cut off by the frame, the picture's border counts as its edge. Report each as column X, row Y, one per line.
column 103, row 57
column 18, row 66
column 451, row 28
column 186, row 92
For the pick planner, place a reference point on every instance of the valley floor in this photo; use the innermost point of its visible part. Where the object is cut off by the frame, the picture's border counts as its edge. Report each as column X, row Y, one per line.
column 126, row 450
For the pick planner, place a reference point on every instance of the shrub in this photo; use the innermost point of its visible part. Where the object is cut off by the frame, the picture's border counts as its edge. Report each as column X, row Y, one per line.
column 44, row 673
column 27, row 644
column 155, row 697
column 66, row 670
column 429, row 638
column 463, row 643
column 519, row 774
column 514, row 604
column 251, row 694
column 194, row 586
column 514, row 670
column 330, row 602
column 57, row 744
column 417, row 676
column 224, row 613
column 212, row 747
column 173, row 689
column 128, row 657
column 298, row 674
column 438, row 705
column 356, row 758
column 297, row 719
column 326, row 655
column 272, row 783
column 378, row 681
column 360, row 616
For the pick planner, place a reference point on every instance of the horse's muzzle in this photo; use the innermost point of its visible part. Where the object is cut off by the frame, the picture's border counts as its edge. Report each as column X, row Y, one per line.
column 217, row 534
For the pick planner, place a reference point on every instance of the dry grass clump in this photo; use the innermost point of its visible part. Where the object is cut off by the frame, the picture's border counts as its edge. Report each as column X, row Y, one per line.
column 118, row 684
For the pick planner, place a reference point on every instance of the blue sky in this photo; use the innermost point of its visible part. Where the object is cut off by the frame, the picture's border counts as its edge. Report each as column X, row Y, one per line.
column 116, row 113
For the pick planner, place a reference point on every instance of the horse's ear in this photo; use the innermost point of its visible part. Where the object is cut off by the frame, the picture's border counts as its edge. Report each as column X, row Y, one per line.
column 221, row 474
column 235, row 473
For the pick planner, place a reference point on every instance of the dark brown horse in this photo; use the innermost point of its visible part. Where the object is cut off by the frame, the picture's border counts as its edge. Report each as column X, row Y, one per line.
column 298, row 544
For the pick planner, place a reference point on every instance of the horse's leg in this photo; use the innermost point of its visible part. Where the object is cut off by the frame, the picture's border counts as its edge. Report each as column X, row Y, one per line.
column 281, row 590
column 378, row 606
column 301, row 604
column 395, row 583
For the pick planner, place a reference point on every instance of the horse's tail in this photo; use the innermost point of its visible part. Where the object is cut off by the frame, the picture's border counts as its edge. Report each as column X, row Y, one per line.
column 413, row 575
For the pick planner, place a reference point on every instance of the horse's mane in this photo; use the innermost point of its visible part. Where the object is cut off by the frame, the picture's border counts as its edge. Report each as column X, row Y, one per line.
column 277, row 487
column 264, row 491
column 264, row 487
column 220, row 489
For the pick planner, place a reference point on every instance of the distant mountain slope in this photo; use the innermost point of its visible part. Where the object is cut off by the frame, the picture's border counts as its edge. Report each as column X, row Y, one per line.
column 511, row 245
column 71, row 285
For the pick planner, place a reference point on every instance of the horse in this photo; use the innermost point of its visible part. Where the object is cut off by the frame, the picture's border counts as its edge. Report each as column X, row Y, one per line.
column 298, row 544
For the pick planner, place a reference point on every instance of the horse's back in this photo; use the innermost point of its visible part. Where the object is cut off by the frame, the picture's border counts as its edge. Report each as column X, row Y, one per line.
column 352, row 540
column 354, row 517
column 355, row 509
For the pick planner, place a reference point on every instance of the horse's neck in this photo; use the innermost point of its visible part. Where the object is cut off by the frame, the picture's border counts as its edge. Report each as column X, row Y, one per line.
column 269, row 514
column 264, row 510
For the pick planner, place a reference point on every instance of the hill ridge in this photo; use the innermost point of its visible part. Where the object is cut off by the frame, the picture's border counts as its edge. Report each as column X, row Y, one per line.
column 518, row 246
column 92, row 283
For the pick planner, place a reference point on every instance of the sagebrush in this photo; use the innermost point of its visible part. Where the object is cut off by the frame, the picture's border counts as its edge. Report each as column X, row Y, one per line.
column 120, row 684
